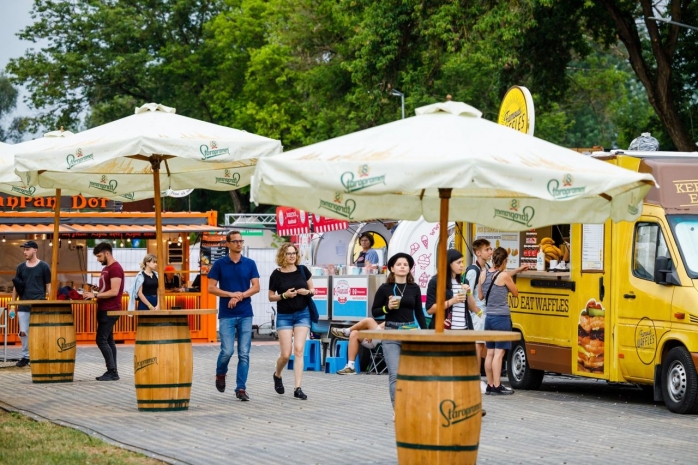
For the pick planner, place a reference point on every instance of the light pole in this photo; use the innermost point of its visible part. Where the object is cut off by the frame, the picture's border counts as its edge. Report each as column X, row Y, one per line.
column 397, row 93
column 668, row 21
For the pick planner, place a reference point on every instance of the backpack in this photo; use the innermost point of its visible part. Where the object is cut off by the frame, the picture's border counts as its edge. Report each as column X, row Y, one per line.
column 477, row 274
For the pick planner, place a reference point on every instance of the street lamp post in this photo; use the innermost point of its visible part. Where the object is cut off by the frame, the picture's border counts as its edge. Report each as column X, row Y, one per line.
column 397, row 93
column 668, row 21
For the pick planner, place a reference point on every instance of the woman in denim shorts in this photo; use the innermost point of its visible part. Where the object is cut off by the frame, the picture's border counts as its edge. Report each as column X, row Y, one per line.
column 495, row 292
column 291, row 286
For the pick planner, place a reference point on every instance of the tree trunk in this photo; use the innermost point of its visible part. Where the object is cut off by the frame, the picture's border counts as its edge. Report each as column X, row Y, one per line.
column 657, row 81
column 237, row 202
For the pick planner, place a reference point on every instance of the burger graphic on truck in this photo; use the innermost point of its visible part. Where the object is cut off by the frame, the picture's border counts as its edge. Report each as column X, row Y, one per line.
column 591, row 337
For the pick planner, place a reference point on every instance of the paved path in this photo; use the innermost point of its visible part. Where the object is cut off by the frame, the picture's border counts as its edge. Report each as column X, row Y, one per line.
column 347, row 420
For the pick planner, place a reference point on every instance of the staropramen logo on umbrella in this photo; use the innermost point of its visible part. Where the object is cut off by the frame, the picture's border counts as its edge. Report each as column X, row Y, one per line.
column 77, row 158
column 230, row 178
column 339, row 206
column 104, row 184
column 567, row 190
column 512, row 214
column 212, row 150
column 352, row 184
column 28, row 191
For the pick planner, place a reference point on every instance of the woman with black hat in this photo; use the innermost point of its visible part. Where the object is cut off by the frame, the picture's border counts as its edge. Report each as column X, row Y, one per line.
column 457, row 292
column 367, row 256
column 399, row 300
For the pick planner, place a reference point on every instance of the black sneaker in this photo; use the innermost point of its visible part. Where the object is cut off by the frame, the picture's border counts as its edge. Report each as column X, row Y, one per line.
column 488, row 390
column 278, row 385
column 298, row 394
column 220, row 383
column 484, row 412
column 22, row 362
column 109, row 375
column 501, row 391
column 242, row 395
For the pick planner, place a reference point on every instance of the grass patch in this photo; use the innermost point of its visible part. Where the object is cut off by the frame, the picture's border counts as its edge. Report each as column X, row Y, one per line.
column 24, row 441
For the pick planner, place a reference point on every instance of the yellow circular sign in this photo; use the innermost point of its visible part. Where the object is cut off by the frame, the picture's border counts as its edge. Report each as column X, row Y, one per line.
column 517, row 111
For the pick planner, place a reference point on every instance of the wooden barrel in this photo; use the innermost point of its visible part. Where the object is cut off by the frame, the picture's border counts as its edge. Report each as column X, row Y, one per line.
column 438, row 404
column 162, row 363
column 52, row 343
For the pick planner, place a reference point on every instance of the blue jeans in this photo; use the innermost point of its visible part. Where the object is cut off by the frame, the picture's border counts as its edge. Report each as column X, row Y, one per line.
column 227, row 329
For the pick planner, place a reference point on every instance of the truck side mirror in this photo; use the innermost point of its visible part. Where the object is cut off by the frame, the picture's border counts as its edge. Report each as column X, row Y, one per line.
column 663, row 272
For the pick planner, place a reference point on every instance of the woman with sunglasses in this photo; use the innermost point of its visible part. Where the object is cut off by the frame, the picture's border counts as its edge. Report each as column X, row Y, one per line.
column 292, row 287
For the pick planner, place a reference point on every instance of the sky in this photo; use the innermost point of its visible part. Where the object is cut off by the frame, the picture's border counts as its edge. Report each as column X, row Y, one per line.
column 16, row 15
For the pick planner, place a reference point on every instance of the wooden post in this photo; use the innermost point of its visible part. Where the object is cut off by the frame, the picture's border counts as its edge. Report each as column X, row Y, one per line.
column 444, row 195
column 56, row 242
column 155, row 164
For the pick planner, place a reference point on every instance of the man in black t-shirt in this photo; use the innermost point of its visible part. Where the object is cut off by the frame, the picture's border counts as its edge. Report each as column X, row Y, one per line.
column 34, row 279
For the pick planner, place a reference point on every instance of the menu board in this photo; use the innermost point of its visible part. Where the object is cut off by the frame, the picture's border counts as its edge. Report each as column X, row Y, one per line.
column 508, row 240
column 212, row 248
column 592, row 247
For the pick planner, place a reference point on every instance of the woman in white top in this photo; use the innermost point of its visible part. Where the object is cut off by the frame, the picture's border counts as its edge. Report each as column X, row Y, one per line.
column 455, row 299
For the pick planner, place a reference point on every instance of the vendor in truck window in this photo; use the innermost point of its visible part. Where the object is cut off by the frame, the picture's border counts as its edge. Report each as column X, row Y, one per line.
column 649, row 244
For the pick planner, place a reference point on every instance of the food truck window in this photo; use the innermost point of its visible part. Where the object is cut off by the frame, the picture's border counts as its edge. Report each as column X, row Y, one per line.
column 649, row 244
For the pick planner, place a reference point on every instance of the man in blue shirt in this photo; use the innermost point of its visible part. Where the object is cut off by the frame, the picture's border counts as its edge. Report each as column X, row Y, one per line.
column 234, row 279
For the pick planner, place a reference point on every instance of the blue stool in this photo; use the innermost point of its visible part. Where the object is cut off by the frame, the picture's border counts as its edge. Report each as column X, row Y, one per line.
column 334, row 364
column 342, row 352
column 311, row 356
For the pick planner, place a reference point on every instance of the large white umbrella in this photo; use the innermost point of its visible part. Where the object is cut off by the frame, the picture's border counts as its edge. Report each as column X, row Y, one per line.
column 153, row 150
column 492, row 175
column 12, row 184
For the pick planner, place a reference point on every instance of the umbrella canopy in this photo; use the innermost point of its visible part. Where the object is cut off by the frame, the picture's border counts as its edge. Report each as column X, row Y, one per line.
column 117, row 157
column 447, row 163
column 153, row 150
column 499, row 177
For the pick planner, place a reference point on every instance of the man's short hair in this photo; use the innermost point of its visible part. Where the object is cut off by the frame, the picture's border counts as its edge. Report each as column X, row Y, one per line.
column 480, row 243
column 102, row 247
column 231, row 234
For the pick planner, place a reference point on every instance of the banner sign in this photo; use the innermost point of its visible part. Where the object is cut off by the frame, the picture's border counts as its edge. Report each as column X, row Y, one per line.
column 322, row 224
column 290, row 221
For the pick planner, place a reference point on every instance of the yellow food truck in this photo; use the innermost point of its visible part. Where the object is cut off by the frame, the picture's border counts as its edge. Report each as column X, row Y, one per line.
column 625, row 307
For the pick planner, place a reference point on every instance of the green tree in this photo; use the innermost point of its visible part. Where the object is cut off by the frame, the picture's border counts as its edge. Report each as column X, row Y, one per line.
column 8, row 102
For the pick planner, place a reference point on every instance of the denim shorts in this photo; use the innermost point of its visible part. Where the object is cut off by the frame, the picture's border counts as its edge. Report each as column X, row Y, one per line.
column 498, row 323
column 301, row 318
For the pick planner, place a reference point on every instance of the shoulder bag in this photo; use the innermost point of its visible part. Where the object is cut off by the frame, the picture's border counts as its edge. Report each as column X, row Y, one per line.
column 312, row 308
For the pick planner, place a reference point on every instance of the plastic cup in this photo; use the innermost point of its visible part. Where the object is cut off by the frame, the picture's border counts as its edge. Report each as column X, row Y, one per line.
column 398, row 298
column 553, row 264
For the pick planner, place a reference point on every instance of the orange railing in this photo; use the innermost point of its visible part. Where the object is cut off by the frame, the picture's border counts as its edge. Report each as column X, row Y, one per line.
column 202, row 327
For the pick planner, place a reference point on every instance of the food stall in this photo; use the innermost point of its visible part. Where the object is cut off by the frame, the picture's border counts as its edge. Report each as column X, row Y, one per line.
column 86, row 222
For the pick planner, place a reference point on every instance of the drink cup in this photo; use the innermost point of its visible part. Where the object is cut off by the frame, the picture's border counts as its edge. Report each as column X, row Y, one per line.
column 553, row 264
column 397, row 298
column 12, row 313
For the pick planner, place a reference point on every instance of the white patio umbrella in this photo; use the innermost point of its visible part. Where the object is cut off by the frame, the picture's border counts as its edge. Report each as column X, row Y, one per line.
column 12, row 184
column 447, row 163
column 153, row 150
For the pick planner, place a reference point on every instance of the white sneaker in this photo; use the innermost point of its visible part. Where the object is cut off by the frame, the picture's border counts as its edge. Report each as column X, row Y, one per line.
column 483, row 387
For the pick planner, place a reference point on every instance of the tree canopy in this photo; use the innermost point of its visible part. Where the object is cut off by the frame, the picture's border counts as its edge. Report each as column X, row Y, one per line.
column 303, row 71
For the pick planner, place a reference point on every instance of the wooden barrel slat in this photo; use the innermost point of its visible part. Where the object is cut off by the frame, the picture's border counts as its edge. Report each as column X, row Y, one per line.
column 52, row 343
column 163, row 363
column 438, row 405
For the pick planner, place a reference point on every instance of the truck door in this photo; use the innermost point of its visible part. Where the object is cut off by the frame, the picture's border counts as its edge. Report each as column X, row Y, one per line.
column 644, row 307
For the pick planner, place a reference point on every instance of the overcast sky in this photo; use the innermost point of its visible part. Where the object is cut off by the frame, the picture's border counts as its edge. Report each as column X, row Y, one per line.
column 15, row 15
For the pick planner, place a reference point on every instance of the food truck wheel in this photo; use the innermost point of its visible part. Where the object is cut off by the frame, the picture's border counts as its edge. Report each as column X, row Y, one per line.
column 521, row 376
column 680, row 381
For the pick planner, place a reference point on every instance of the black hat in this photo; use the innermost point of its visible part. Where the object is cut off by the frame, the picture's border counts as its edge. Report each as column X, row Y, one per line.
column 30, row 245
column 406, row 256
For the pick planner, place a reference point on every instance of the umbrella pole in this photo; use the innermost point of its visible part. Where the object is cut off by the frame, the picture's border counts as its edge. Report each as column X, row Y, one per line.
column 155, row 164
column 53, row 294
column 444, row 195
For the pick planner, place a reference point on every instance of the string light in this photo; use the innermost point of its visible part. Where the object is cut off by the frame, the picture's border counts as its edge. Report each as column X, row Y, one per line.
column 3, row 238
column 69, row 241
column 179, row 238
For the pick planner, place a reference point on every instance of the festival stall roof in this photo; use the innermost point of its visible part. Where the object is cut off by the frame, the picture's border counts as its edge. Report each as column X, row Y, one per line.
column 104, row 223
